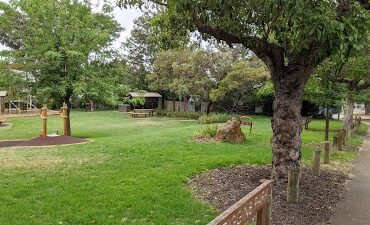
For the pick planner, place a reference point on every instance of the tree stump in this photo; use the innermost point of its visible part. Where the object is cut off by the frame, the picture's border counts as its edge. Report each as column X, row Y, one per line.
column 231, row 132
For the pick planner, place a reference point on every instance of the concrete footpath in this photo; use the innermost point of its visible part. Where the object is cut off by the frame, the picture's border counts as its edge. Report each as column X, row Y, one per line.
column 354, row 209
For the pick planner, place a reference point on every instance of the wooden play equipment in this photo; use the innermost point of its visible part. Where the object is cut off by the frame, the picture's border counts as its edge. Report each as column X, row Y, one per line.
column 248, row 121
column 44, row 117
column 64, row 115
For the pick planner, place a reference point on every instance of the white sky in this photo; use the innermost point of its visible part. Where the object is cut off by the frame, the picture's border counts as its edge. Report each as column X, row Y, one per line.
column 125, row 17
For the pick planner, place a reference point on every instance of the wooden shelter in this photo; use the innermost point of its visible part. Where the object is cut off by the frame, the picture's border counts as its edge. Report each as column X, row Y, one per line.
column 153, row 99
column 3, row 95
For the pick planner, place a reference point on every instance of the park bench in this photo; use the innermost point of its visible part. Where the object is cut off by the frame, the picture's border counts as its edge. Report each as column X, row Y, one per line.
column 247, row 120
column 306, row 121
column 148, row 111
column 259, row 202
column 2, row 120
column 137, row 114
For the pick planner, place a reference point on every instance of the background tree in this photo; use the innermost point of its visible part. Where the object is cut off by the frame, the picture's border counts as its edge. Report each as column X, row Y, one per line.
column 356, row 77
column 291, row 37
column 187, row 73
column 57, row 38
column 290, row 52
column 146, row 41
column 242, row 83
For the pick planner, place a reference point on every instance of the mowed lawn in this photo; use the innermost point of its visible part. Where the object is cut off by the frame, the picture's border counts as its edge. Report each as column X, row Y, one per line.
column 133, row 171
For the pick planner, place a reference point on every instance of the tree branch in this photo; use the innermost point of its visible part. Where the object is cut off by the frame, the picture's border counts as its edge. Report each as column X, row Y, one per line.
column 345, row 80
column 364, row 86
column 365, row 4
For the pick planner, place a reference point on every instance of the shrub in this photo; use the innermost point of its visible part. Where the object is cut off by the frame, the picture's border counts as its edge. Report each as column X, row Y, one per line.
column 208, row 131
column 214, row 118
column 174, row 114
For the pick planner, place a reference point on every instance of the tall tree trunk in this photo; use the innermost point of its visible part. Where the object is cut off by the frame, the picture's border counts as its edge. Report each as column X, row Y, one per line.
column 208, row 108
column 287, row 120
column 367, row 108
column 91, row 106
column 68, row 102
column 348, row 114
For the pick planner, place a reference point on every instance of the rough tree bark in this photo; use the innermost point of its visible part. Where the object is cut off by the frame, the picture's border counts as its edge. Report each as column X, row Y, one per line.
column 287, row 120
column 348, row 114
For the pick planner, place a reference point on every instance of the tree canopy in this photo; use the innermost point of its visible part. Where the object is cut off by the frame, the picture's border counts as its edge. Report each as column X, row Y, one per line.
column 56, row 40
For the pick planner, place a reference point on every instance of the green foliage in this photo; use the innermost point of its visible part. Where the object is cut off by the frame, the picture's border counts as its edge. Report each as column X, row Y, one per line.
column 146, row 40
column 242, row 82
column 58, row 38
column 187, row 73
column 208, row 131
column 136, row 101
column 16, row 83
column 215, row 118
column 296, row 26
column 175, row 114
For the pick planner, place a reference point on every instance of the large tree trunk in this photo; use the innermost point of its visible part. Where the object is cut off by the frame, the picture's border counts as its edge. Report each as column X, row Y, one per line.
column 208, row 108
column 348, row 114
column 68, row 102
column 287, row 120
column 91, row 106
column 367, row 108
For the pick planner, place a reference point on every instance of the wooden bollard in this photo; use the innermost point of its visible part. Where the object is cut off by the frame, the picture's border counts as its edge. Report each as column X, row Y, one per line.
column 64, row 115
column 340, row 141
column 316, row 162
column 293, row 185
column 344, row 137
column 327, row 152
column 359, row 121
column 335, row 144
column 44, row 117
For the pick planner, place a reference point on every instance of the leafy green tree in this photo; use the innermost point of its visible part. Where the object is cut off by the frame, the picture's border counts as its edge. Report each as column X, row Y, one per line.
column 292, row 37
column 242, row 83
column 145, row 42
column 355, row 75
column 57, row 38
column 101, row 85
column 187, row 73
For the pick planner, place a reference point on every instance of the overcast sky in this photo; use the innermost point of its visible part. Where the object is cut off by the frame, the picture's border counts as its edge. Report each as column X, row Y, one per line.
column 124, row 16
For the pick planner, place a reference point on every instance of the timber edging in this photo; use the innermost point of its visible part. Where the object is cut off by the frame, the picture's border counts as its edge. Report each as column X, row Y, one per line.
column 257, row 202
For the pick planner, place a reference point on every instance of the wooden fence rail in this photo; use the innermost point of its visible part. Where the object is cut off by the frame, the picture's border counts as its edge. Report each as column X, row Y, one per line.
column 258, row 202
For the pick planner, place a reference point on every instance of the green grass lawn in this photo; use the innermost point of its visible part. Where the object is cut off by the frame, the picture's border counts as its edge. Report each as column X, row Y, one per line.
column 132, row 172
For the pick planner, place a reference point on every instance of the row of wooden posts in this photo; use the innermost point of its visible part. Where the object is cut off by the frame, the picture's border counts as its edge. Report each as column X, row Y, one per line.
column 44, row 117
column 339, row 142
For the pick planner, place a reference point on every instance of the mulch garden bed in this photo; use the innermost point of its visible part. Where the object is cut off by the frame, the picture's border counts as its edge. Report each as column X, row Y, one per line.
column 39, row 141
column 318, row 196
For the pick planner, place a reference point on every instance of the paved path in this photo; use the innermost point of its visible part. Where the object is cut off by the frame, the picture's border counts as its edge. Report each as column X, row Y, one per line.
column 355, row 207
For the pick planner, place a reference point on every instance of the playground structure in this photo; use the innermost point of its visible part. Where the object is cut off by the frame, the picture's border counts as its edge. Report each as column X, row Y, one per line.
column 20, row 107
column 44, row 117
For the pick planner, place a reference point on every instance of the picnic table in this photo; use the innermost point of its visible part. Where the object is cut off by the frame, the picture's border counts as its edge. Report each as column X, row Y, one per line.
column 142, row 112
column 149, row 112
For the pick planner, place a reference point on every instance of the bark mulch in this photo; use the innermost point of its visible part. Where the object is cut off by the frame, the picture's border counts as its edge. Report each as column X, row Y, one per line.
column 318, row 196
column 39, row 141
